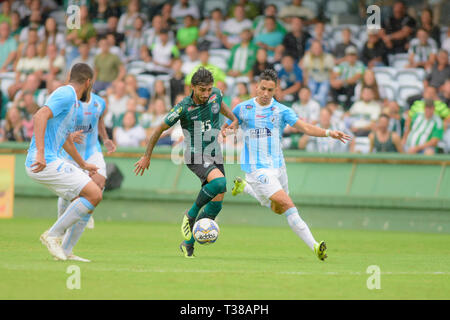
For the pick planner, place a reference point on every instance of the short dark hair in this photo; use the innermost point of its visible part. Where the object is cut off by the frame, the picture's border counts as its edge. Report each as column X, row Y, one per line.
column 202, row 76
column 80, row 72
column 384, row 115
column 269, row 75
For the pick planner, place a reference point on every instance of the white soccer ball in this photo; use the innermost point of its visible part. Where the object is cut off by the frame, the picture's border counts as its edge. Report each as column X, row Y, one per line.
column 206, row 231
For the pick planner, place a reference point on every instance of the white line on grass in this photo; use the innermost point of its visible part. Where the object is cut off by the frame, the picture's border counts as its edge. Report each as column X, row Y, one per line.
column 93, row 267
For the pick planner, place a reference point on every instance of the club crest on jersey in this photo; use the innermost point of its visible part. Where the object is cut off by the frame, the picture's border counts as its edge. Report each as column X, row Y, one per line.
column 248, row 106
column 215, row 108
column 263, row 179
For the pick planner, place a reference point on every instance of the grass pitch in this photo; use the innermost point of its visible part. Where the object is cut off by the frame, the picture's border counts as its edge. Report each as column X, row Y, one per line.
column 141, row 260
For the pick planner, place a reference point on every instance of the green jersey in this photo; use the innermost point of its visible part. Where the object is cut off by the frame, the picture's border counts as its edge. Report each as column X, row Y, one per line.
column 423, row 130
column 200, row 123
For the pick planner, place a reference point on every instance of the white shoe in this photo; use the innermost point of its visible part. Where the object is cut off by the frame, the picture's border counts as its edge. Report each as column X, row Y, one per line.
column 90, row 224
column 75, row 258
column 53, row 245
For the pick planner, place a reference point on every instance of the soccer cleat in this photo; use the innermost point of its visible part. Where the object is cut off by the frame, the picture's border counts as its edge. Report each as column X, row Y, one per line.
column 53, row 245
column 187, row 249
column 186, row 226
column 239, row 185
column 320, row 250
column 90, row 224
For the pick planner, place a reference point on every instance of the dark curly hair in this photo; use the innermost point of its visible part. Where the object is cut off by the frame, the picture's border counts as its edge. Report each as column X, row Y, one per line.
column 202, row 76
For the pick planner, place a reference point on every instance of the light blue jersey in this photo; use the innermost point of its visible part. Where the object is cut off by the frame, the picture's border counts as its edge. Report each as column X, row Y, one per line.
column 262, row 129
column 63, row 103
column 87, row 117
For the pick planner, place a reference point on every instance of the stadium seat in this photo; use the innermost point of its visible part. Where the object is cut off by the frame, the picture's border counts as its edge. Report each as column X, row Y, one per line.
column 146, row 80
column 219, row 62
column 407, row 90
column 400, row 60
column 209, row 5
column 314, row 6
column 224, row 53
column 390, row 90
column 407, row 76
column 385, row 74
column 443, row 33
column 362, row 145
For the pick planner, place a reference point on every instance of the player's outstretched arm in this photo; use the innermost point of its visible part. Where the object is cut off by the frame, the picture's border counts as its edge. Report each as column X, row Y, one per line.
column 316, row 131
column 227, row 112
column 144, row 161
column 40, row 124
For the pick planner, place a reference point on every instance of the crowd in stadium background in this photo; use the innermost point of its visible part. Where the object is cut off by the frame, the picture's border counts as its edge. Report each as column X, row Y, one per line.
column 388, row 87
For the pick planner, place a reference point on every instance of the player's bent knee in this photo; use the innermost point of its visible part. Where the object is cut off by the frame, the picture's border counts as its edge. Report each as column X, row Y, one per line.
column 220, row 184
column 92, row 193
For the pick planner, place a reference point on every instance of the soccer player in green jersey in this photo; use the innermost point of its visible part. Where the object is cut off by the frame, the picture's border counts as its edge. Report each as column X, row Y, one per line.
column 199, row 116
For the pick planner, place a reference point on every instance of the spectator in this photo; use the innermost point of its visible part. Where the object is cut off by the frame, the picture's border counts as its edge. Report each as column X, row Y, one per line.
column 166, row 14
column 33, row 39
column 234, row 26
column 339, row 50
column 250, row 8
column 364, row 113
column 176, row 82
column 31, row 84
column 374, row 52
column 444, row 92
column 322, row 145
column 140, row 94
column 446, row 42
column 370, row 81
column 307, row 108
column 27, row 107
column 218, row 74
column 382, row 139
column 35, row 23
column 426, row 131
column 50, row 35
column 396, row 119
column 188, row 34
column 16, row 27
column 290, row 78
column 190, row 59
column 242, row 56
column 135, row 40
column 117, row 98
column 426, row 23
column 260, row 65
column 151, row 119
column 397, row 31
column 259, row 23
column 242, row 94
column 183, row 8
column 101, row 11
column 210, row 33
column 29, row 64
column 107, row 67
column 345, row 76
column 111, row 28
column 5, row 15
column 84, row 57
column 319, row 34
column 52, row 64
column 317, row 66
column 126, row 20
column 153, row 34
column 271, row 38
column 129, row 134
column 8, row 48
column 422, row 51
column 160, row 56
column 297, row 10
column 440, row 108
column 440, row 70
column 160, row 92
column 14, row 129
column 294, row 43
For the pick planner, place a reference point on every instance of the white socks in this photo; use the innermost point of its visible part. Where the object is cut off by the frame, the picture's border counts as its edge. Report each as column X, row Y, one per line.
column 62, row 206
column 77, row 210
column 299, row 227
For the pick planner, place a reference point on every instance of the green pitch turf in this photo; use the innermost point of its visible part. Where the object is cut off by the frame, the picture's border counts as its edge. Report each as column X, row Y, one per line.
column 141, row 260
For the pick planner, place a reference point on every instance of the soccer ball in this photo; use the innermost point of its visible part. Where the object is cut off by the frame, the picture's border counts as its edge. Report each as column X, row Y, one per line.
column 206, row 231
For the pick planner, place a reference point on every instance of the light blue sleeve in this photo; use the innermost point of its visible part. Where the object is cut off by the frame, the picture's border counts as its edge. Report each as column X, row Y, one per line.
column 289, row 116
column 60, row 101
column 236, row 111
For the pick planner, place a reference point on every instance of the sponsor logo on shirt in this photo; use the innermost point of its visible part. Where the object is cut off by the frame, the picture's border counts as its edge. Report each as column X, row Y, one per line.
column 212, row 98
column 260, row 133
column 215, row 108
